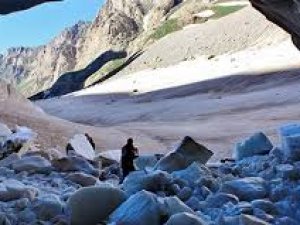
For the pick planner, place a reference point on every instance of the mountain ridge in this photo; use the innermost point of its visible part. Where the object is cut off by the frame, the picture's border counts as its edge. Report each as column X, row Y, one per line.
column 117, row 24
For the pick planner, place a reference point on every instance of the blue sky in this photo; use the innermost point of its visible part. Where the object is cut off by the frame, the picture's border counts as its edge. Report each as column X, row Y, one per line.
column 39, row 25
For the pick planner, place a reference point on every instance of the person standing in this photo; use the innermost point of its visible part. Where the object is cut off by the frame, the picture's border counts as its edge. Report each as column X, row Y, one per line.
column 129, row 153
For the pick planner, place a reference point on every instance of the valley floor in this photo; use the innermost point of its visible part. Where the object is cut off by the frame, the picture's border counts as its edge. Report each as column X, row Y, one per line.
column 159, row 107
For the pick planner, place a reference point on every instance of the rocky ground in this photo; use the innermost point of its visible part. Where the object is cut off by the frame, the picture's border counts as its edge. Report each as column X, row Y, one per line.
column 43, row 186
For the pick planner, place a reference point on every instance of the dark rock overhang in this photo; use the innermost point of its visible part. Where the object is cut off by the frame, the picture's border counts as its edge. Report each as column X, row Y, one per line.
column 284, row 13
column 9, row 6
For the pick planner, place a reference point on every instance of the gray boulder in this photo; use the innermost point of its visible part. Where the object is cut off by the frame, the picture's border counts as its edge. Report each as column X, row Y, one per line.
column 4, row 220
column 185, row 219
column 48, row 207
column 228, row 220
column 4, row 131
column 287, row 171
column 245, row 208
column 246, row 189
column 22, row 203
column 265, row 205
column 185, row 193
column 141, row 208
column 11, row 189
column 188, row 152
column 290, row 138
column 27, row 216
column 33, row 164
column 220, row 199
column 93, row 205
column 140, row 180
column 193, row 173
column 74, row 164
column 82, row 179
column 145, row 161
column 257, row 144
column 251, row 220
column 9, row 160
column 173, row 205
column 286, row 221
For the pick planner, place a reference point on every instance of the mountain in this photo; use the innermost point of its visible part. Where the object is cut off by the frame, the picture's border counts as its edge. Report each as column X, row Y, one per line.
column 120, row 25
column 35, row 68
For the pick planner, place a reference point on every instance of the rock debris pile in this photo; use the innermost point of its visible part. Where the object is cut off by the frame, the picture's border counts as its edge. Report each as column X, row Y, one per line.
column 260, row 186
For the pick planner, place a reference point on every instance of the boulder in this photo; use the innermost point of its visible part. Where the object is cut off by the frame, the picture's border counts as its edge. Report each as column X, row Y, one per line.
column 175, row 188
column 185, row 219
column 27, row 216
column 82, row 179
column 48, row 207
column 9, row 160
column 279, row 192
column 188, row 152
column 257, row 144
column 141, row 180
column 82, row 146
column 286, row 221
column 4, row 220
column 19, row 141
column 228, row 220
column 145, row 161
column 22, row 134
column 210, row 182
column 11, row 189
column 110, row 156
column 141, row 208
column 265, row 205
column 173, row 205
column 287, row 171
column 290, row 138
column 111, row 172
column 193, row 173
column 22, row 203
column 246, row 189
column 245, row 208
column 48, row 154
column 93, row 205
column 185, row 193
column 33, row 164
column 277, row 153
column 172, row 162
column 4, row 132
column 220, row 199
column 74, row 164
column 193, row 202
column 251, row 220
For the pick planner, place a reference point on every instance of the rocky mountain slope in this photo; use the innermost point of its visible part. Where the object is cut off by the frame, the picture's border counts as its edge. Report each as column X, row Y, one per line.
column 235, row 32
column 34, row 69
column 120, row 25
